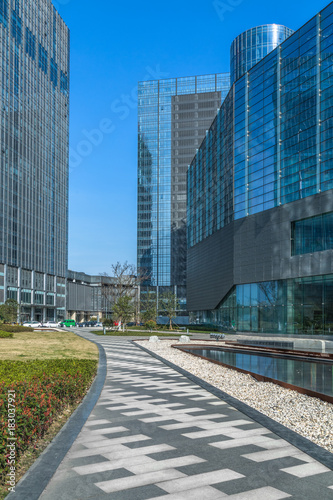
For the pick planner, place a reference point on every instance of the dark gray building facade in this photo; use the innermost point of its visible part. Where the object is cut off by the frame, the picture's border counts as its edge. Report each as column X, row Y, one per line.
column 260, row 195
column 34, row 84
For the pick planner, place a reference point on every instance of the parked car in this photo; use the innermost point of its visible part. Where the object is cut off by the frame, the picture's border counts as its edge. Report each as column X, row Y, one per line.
column 51, row 324
column 90, row 323
column 32, row 324
column 67, row 323
column 99, row 325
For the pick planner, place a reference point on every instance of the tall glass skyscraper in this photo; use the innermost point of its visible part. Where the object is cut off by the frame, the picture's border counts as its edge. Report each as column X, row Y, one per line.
column 173, row 115
column 250, row 47
column 260, row 193
column 34, row 86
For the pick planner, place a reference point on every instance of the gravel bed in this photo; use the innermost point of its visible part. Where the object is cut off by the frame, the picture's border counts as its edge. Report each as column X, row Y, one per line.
column 308, row 416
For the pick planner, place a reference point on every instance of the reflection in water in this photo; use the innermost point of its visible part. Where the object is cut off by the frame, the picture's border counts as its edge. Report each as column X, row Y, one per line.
column 316, row 377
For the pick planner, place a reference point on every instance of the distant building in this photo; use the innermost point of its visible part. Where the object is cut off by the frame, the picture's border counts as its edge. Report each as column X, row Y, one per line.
column 173, row 116
column 34, row 85
column 93, row 296
column 260, row 191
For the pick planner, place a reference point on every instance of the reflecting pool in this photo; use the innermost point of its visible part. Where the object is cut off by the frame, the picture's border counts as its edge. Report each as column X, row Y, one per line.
column 314, row 376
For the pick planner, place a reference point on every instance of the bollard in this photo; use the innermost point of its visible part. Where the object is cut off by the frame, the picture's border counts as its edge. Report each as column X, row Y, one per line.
column 104, row 330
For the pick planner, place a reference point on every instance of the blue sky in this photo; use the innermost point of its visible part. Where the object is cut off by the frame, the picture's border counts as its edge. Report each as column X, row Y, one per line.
column 113, row 46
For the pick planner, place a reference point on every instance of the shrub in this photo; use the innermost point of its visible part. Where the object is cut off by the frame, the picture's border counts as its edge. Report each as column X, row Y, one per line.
column 151, row 325
column 107, row 322
column 43, row 389
column 204, row 328
column 6, row 335
column 15, row 328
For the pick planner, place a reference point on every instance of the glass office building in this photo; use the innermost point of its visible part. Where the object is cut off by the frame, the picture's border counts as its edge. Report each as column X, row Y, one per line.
column 34, row 88
column 260, row 199
column 253, row 45
column 173, row 115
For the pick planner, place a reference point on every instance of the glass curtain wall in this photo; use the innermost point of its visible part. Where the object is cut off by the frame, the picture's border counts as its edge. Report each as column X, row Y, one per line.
column 253, row 45
column 281, row 139
column 296, row 306
column 155, row 182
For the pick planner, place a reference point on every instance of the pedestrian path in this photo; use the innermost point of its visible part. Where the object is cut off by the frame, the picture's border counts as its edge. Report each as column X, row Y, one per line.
column 154, row 434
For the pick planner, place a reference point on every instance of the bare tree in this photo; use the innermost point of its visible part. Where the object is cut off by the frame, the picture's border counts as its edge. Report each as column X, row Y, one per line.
column 124, row 282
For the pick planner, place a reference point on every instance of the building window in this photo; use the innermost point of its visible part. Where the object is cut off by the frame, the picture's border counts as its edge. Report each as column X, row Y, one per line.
column 63, row 83
column 12, row 293
column 30, row 44
column 42, row 58
column 16, row 27
column 26, row 296
column 4, row 12
column 50, row 299
column 314, row 234
column 39, row 298
column 54, row 73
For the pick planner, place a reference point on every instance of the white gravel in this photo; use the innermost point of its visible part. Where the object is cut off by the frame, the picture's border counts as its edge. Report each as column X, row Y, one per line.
column 308, row 416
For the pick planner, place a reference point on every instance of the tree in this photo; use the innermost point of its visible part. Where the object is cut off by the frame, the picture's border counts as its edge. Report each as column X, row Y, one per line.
column 8, row 311
column 123, row 309
column 124, row 282
column 168, row 306
column 107, row 322
column 148, row 306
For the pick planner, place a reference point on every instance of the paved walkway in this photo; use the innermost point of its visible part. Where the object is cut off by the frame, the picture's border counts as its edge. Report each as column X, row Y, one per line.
column 155, row 434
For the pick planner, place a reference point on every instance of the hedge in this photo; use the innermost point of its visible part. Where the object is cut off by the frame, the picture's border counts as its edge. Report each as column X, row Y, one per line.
column 6, row 335
column 15, row 328
column 43, row 389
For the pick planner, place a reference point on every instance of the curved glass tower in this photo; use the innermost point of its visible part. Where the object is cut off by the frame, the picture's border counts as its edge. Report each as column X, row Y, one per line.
column 250, row 47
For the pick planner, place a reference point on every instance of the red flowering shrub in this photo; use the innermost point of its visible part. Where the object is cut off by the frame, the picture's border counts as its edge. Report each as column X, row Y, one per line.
column 39, row 397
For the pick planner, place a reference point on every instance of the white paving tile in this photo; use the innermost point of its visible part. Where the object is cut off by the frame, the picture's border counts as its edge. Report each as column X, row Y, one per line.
column 105, row 430
column 97, row 451
column 126, row 483
column 191, row 423
column 263, row 456
column 267, row 493
column 84, row 470
column 119, row 440
column 236, row 443
column 203, row 493
column 198, row 480
column 165, row 464
column 97, row 422
column 184, row 417
column 225, row 428
column 306, row 470
column 144, row 450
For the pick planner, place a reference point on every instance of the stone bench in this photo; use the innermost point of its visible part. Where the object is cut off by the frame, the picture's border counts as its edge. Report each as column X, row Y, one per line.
column 217, row 336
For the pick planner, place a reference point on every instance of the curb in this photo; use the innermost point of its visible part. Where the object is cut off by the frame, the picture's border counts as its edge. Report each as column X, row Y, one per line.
column 40, row 473
column 313, row 450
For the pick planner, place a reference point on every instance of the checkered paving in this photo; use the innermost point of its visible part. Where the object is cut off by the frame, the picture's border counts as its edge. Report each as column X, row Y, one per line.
column 156, row 435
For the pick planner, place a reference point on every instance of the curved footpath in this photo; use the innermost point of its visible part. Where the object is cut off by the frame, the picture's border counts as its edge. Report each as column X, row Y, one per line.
column 157, row 432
